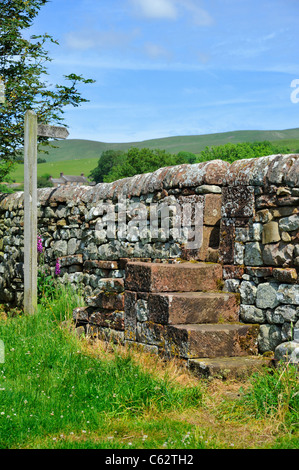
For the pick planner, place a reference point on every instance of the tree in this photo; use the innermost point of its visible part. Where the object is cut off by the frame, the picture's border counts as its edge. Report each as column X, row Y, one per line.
column 107, row 161
column 189, row 157
column 137, row 161
column 44, row 181
column 231, row 152
column 23, row 70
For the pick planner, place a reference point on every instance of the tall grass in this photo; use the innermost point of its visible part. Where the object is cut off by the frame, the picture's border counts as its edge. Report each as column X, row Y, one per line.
column 60, row 391
column 50, row 386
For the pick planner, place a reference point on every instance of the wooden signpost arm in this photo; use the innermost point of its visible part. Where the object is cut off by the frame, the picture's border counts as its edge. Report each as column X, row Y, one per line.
column 31, row 131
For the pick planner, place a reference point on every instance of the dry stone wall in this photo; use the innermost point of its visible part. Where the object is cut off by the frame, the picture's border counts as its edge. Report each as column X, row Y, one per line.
column 249, row 219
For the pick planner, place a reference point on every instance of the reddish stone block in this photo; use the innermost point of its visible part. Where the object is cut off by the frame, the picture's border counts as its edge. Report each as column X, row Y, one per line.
column 259, row 271
column 114, row 320
column 164, row 277
column 227, row 237
column 107, row 300
column 192, row 307
column 238, row 201
column 232, row 272
column 212, row 209
column 70, row 260
column 130, row 321
column 210, row 240
column 82, row 314
column 99, row 264
column 216, row 340
column 215, row 172
column 285, row 275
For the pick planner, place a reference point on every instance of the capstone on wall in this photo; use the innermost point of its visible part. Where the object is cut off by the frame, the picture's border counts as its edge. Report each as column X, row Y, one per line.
column 243, row 216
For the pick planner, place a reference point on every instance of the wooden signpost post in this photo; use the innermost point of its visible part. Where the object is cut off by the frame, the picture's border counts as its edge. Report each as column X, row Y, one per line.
column 31, row 130
column 2, row 92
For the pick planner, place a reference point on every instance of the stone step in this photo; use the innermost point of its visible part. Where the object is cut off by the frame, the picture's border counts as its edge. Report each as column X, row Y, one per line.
column 216, row 340
column 176, row 277
column 194, row 341
column 228, row 367
column 193, row 307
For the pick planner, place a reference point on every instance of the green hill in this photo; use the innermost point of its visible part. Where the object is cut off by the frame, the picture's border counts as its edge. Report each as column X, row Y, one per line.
column 74, row 156
column 78, row 149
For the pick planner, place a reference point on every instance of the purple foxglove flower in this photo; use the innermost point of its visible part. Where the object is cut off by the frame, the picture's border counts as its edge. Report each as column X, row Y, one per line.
column 57, row 268
column 39, row 244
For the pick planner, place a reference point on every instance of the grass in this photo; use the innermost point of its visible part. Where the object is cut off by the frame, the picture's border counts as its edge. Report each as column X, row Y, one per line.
column 59, row 391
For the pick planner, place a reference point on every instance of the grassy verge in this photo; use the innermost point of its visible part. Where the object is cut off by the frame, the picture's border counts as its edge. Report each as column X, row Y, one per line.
column 60, row 391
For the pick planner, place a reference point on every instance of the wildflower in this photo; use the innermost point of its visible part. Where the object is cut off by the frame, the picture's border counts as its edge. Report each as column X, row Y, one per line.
column 39, row 244
column 57, row 268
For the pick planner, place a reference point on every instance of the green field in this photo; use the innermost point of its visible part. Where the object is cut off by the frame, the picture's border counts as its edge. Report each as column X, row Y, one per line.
column 73, row 157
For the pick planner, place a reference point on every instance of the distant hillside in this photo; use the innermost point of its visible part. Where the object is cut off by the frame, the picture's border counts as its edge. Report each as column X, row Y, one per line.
column 73, row 157
column 71, row 149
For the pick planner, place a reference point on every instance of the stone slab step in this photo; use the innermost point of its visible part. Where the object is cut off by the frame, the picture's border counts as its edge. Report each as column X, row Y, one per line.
column 176, row 277
column 228, row 367
column 216, row 340
column 193, row 307
column 194, row 341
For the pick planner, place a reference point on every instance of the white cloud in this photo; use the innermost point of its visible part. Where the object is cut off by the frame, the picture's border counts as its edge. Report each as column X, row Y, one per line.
column 199, row 16
column 155, row 51
column 172, row 9
column 92, row 39
column 156, row 8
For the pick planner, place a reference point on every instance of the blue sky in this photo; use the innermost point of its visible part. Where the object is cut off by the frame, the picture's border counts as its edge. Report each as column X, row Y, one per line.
column 175, row 67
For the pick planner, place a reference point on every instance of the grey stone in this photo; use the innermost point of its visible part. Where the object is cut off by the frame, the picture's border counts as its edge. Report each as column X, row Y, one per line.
column 231, row 285
column 287, row 352
column 208, row 188
column 251, row 314
column 60, row 248
column 72, row 246
column 100, row 237
column 141, row 310
column 287, row 313
column 266, row 295
column 239, row 253
column 248, row 292
column 242, row 234
column 288, row 294
column 286, row 332
column 256, row 231
column 253, row 254
column 288, row 224
column 278, row 254
column 269, row 337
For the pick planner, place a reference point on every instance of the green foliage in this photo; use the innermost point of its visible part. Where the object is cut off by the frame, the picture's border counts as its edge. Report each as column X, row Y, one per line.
column 275, row 393
column 44, row 182
column 50, row 386
column 23, row 71
column 231, row 152
column 189, row 157
column 138, row 161
column 114, row 165
column 46, row 285
column 108, row 160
